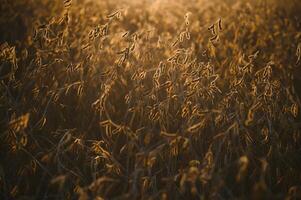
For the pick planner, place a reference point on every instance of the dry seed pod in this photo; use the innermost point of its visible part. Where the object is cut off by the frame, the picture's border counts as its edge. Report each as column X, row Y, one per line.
column 105, row 123
column 20, row 123
column 265, row 133
column 212, row 29
column 185, row 112
column 168, row 135
column 186, row 17
column 187, row 35
column 14, row 191
column 80, row 90
column 67, row 3
column 243, row 165
column 125, row 34
column 251, row 112
column 167, row 84
column 220, row 24
column 250, row 118
column 214, row 38
column 181, row 37
column 116, row 13
column 298, row 53
column 24, row 140
column 194, row 163
column 294, row 110
column 197, row 126
column 127, row 98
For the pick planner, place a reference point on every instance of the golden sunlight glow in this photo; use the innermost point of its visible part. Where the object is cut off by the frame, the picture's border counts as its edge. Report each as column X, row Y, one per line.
column 150, row 99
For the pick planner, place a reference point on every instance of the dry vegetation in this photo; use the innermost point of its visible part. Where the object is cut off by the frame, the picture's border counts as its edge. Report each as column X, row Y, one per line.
column 150, row 99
